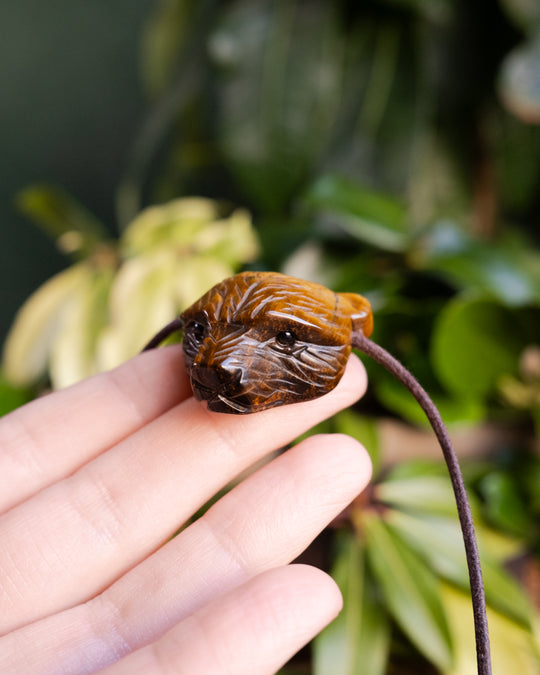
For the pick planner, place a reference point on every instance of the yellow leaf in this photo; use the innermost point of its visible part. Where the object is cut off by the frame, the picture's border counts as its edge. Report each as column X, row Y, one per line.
column 195, row 275
column 232, row 239
column 513, row 649
column 172, row 224
column 36, row 325
column 73, row 353
column 142, row 301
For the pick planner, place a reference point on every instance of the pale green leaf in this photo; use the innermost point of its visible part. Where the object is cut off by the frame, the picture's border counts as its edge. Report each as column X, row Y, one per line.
column 28, row 344
column 513, row 649
column 195, row 275
column 175, row 223
column 232, row 240
column 192, row 226
column 433, row 493
column 357, row 642
column 142, row 301
column 411, row 591
column 439, row 541
column 73, row 352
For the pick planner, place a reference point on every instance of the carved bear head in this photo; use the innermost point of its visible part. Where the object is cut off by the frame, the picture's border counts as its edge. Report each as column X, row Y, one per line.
column 262, row 339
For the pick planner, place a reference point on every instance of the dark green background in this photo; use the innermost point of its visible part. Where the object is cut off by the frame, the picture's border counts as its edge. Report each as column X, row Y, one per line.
column 71, row 102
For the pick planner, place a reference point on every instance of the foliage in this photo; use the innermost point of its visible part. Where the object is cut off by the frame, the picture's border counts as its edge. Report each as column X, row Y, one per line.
column 102, row 309
column 390, row 148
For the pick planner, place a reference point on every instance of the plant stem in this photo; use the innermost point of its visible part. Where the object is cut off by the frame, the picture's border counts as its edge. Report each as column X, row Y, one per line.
column 393, row 366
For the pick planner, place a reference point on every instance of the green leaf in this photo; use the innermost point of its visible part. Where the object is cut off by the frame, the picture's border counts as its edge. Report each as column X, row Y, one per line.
column 504, row 506
column 280, row 71
column 411, row 591
column 439, row 541
column 73, row 350
column 164, row 39
column 507, row 271
column 474, row 343
column 74, row 229
column 415, row 468
column 454, row 410
column 432, row 493
column 12, row 397
column 367, row 215
column 357, row 641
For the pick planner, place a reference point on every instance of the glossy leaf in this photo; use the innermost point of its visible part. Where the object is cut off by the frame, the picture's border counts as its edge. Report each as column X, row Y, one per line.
column 357, row 641
column 411, row 591
column 474, row 343
column 507, row 271
column 367, row 215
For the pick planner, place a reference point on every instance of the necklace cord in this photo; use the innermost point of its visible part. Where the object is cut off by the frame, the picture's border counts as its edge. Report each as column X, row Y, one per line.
column 392, row 365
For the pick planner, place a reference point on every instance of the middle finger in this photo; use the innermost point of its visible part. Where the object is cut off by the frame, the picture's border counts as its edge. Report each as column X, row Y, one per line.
column 113, row 512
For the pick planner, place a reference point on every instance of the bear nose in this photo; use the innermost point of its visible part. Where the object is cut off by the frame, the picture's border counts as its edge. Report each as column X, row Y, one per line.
column 209, row 381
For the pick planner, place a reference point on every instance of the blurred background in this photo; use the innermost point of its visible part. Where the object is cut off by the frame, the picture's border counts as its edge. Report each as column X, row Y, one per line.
column 390, row 148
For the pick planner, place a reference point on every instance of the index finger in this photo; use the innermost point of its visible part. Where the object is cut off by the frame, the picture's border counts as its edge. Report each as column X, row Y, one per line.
column 53, row 436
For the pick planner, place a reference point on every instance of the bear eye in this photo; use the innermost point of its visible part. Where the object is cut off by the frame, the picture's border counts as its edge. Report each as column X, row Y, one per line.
column 286, row 338
column 198, row 331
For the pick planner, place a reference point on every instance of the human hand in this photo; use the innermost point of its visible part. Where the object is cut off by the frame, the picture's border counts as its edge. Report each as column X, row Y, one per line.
column 95, row 479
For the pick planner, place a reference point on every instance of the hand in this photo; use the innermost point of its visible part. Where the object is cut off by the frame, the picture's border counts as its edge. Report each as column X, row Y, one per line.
column 94, row 481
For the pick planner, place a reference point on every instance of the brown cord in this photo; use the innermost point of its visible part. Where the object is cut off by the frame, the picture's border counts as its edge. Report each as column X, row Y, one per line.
column 399, row 371
column 172, row 327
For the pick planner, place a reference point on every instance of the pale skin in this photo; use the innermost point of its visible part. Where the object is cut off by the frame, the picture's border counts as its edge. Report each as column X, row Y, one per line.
column 95, row 479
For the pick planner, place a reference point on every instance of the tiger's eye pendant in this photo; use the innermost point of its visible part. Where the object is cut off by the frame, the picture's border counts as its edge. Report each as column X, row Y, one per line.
column 262, row 339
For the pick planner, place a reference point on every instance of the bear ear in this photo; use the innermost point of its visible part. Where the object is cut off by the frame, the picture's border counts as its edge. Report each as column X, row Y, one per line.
column 361, row 314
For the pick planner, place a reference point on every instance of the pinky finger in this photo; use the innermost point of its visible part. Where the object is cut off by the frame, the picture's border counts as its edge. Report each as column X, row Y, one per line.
column 252, row 630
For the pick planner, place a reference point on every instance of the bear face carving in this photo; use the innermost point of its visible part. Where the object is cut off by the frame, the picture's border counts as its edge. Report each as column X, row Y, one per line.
column 262, row 339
